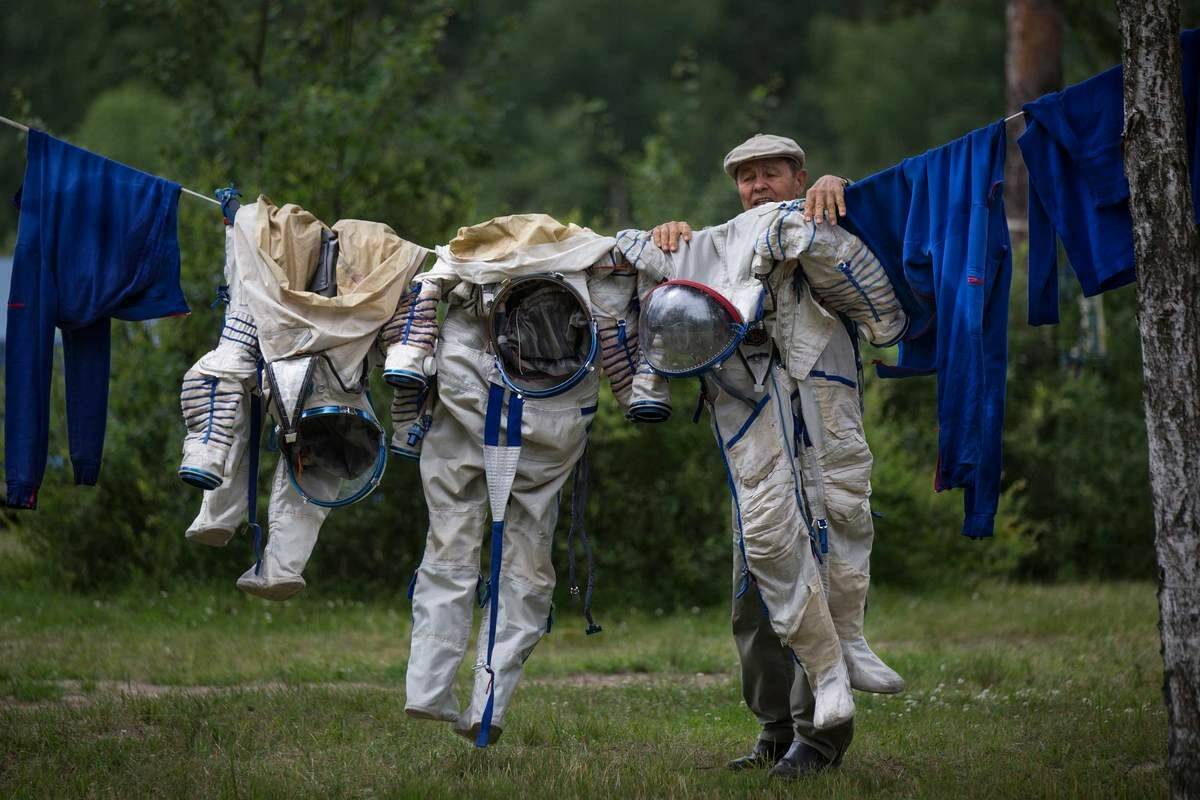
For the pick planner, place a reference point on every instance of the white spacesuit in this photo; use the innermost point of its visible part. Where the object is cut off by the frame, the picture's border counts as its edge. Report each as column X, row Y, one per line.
column 306, row 302
column 516, row 391
column 749, row 325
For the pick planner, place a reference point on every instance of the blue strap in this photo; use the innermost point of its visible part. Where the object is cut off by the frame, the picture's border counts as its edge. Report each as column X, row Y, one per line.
column 252, row 480
column 579, row 494
column 700, row 398
column 485, row 723
column 412, row 585
column 491, row 421
column 491, row 435
column 222, row 298
column 516, row 405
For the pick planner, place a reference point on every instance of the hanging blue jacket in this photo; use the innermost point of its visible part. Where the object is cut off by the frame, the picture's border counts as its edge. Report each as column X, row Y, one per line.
column 96, row 240
column 1077, row 186
column 937, row 224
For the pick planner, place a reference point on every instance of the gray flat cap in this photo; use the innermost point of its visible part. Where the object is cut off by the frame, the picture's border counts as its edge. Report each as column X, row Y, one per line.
column 763, row 145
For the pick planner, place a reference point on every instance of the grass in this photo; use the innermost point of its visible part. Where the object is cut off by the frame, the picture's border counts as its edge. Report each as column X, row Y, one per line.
column 1014, row 691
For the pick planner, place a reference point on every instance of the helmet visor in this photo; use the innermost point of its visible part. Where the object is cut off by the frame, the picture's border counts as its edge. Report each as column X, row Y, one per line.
column 686, row 327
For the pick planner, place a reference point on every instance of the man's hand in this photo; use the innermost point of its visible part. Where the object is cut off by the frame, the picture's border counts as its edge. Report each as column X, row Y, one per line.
column 668, row 235
column 826, row 200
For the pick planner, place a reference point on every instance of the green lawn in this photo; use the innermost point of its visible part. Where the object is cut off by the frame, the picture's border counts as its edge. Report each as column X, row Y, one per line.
column 1014, row 691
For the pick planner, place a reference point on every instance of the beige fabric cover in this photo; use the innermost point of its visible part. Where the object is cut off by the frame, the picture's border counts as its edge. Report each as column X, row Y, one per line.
column 516, row 245
column 277, row 249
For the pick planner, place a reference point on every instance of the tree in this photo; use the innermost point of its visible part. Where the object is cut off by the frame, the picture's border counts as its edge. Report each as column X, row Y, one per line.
column 1167, row 252
column 1033, row 66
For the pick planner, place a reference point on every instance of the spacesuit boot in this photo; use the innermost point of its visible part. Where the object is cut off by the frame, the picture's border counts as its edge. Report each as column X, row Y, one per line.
column 293, row 525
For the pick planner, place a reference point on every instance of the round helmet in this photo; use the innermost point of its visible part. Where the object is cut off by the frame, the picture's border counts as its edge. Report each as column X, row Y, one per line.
column 338, row 456
column 686, row 328
column 329, row 437
column 543, row 335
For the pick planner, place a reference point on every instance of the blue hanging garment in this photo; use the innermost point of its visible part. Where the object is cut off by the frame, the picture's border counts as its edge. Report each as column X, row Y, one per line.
column 1077, row 186
column 97, row 240
column 938, row 226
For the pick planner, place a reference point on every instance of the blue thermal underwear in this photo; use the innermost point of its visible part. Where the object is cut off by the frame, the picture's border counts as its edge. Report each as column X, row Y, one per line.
column 1077, row 186
column 97, row 240
column 938, row 226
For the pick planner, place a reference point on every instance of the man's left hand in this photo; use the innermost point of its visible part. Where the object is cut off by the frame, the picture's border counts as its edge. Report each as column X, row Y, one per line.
column 826, row 200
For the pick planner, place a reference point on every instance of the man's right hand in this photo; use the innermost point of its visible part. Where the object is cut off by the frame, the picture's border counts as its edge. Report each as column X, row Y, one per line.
column 668, row 235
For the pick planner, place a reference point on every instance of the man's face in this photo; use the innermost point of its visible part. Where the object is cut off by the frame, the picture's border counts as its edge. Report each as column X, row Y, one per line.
column 769, row 180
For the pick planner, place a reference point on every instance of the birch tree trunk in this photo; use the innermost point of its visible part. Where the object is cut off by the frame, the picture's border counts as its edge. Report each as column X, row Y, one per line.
column 1167, row 251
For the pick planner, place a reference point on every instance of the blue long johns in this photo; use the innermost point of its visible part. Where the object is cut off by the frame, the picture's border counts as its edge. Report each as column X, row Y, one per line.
column 1077, row 186
column 97, row 240
column 937, row 224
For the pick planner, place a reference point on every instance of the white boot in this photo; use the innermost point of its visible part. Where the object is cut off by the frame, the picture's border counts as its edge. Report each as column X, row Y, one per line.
column 294, row 525
column 847, row 603
column 867, row 671
column 834, row 700
column 443, row 599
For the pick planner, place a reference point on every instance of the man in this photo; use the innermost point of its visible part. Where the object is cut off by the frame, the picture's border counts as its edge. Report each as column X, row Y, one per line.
column 836, row 464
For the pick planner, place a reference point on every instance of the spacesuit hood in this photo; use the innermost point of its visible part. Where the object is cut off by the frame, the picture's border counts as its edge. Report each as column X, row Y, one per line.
column 372, row 257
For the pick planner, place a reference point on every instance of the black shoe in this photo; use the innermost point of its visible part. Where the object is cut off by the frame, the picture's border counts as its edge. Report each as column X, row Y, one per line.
column 763, row 755
column 800, row 760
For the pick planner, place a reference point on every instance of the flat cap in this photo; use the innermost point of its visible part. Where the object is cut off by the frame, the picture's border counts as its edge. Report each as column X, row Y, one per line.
column 763, row 145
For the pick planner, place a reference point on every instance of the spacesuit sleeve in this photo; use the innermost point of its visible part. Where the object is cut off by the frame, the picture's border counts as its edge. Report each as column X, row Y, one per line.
column 843, row 273
column 409, row 337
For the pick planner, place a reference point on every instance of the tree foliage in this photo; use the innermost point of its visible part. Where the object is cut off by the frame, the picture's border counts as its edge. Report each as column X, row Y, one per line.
column 437, row 113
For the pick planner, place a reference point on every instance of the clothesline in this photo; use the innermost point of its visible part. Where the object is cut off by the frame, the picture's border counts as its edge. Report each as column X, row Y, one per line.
column 207, row 199
column 25, row 128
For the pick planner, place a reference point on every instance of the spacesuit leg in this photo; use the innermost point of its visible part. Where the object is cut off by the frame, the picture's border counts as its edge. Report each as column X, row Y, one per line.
column 839, row 458
column 554, row 434
column 293, row 525
column 755, row 433
column 444, row 588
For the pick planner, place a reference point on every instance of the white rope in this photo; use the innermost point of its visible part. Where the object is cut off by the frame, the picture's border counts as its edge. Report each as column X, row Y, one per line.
column 1011, row 117
column 10, row 123
column 16, row 125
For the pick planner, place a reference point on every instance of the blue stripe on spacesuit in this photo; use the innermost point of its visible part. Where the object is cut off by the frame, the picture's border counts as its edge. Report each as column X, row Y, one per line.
column 737, row 510
column 749, row 421
column 829, row 376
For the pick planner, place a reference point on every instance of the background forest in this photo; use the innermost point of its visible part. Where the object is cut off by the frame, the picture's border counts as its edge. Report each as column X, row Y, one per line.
column 432, row 114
